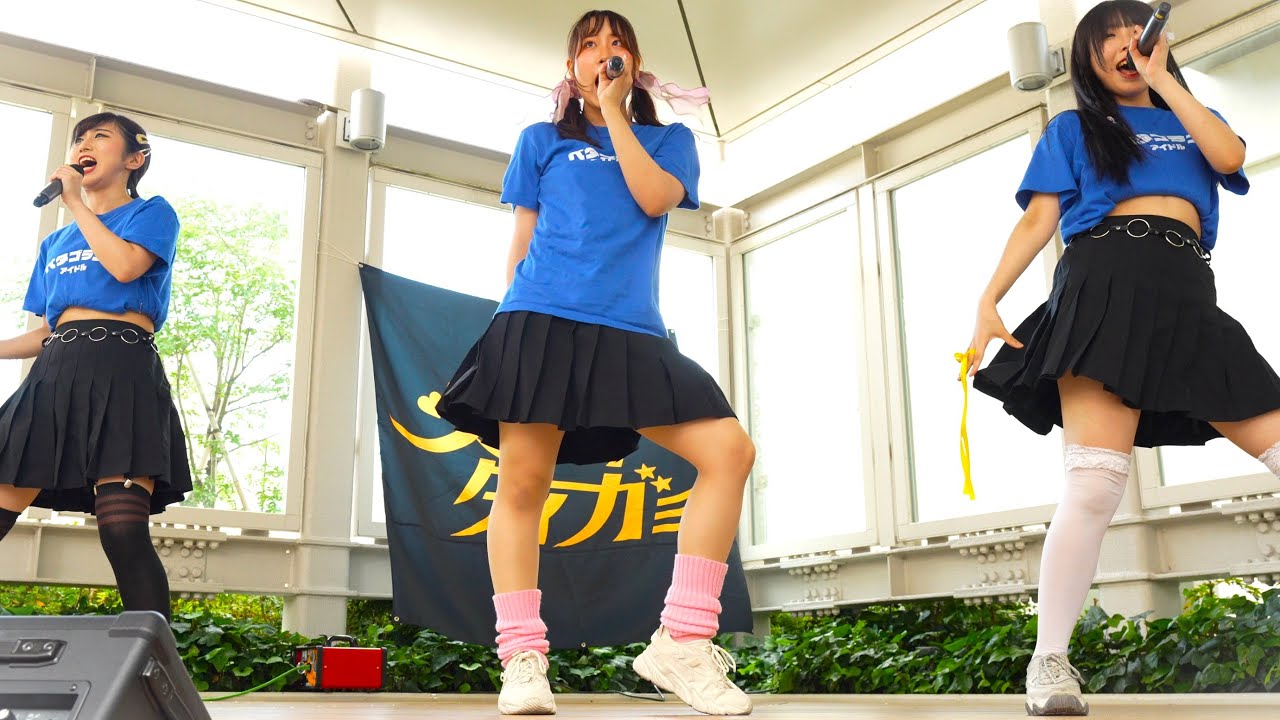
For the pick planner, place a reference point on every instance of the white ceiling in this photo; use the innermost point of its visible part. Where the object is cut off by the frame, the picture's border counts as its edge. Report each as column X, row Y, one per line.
column 753, row 54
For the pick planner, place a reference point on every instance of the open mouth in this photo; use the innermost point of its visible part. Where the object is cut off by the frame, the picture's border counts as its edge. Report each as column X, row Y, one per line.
column 1126, row 69
column 87, row 163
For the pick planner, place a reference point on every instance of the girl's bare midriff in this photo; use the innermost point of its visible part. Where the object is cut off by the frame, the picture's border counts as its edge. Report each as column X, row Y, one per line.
column 1165, row 205
column 80, row 313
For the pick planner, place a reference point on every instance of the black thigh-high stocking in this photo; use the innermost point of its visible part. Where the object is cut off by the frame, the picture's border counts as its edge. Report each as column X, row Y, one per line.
column 123, row 514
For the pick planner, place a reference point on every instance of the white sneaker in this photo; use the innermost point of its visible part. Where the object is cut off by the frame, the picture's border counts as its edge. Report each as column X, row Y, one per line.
column 1053, row 687
column 697, row 672
column 525, row 690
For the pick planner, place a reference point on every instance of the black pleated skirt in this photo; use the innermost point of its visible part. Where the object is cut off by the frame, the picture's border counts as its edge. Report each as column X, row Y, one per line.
column 597, row 383
column 1140, row 316
column 90, row 410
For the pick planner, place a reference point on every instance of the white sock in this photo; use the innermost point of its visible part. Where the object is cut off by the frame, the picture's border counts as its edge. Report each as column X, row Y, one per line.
column 1096, row 479
column 1271, row 458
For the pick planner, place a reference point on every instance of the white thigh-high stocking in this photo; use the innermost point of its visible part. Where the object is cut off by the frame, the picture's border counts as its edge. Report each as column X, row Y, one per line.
column 1096, row 479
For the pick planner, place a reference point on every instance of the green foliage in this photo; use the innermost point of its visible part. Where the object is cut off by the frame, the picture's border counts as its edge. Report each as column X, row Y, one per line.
column 63, row 600
column 933, row 647
column 422, row 660
column 1217, row 644
column 57, row 600
column 226, row 350
column 226, row 653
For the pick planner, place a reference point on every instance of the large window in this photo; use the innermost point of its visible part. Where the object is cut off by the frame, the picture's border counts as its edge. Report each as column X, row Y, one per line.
column 25, row 173
column 804, row 405
column 230, row 343
column 1233, row 81
column 949, row 230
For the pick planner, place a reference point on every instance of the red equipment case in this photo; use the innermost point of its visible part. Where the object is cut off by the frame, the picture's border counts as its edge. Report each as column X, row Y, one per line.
column 342, row 668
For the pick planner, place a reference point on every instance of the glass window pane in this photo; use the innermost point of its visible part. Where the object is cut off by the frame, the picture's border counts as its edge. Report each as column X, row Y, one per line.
column 24, row 175
column 802, row 379
column 948, row 238
column 1244, row 261
column 447, row 243
column 688, row 304
column 229, row 343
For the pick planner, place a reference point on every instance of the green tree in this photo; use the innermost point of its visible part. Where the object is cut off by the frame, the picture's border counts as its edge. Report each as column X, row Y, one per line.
column 227, row 347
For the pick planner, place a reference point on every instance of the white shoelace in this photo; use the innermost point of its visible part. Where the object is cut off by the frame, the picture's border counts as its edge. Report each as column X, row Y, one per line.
column 525, row 667
column 723, row 658
column 1053, row 669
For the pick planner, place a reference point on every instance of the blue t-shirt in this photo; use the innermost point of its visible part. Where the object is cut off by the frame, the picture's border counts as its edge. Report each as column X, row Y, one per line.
column 594, row 255
column 1173, row 166
column 67, row 274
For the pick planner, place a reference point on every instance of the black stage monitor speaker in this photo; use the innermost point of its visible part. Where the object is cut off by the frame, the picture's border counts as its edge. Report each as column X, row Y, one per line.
column 122, row 667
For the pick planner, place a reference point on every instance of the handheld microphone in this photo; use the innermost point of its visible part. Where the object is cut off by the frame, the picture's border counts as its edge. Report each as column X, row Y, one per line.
column 614, row 67
column 1154, row 27
column 53, row 189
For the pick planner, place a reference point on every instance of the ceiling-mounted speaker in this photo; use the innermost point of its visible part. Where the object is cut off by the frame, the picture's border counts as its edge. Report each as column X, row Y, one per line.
column 1032, row 65
column 366, row 126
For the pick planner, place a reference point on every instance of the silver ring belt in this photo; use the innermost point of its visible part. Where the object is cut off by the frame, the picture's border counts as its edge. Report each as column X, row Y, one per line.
column 128, row 336
column 1141, row 227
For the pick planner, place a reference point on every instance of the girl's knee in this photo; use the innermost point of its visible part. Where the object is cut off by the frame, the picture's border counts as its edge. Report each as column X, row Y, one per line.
column 744, row 453
column 733, row 456
column 526, row 490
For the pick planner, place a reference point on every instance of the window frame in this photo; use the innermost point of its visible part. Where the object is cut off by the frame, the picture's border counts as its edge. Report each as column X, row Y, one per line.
column 846, row 204
column 906, row 528
column 312, row 163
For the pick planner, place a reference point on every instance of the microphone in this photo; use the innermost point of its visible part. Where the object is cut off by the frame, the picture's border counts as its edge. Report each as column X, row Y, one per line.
column 1154, row 27
column 53, row 189
column 1147, row 41
column 614, row 67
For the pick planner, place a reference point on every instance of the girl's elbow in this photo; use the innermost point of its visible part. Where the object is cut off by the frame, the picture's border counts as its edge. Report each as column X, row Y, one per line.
column 1230, row 161
column 656, row 207
column 1231, row 165
column 128, row 274
column 661, row 203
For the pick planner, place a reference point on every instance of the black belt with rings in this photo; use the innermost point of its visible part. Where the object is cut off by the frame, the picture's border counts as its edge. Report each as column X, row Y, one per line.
column 1141, row 227
column 128, row 336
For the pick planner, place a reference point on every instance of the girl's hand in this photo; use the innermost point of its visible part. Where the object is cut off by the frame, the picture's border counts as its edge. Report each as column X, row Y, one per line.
column 613, row 93
column 1153, row 68
column 988, row 327
column 71, row 180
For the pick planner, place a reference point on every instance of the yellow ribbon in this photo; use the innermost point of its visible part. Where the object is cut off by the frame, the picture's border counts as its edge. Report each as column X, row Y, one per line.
column 964, row 358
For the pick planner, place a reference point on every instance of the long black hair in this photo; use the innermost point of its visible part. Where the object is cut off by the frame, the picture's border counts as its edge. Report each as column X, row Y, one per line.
column 1108, row 138
column 574, row 124
column 135, row 141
